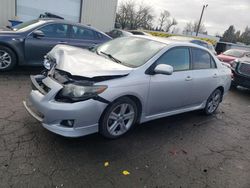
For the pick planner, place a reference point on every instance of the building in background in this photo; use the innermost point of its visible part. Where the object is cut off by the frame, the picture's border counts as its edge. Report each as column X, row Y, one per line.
column 97, row 13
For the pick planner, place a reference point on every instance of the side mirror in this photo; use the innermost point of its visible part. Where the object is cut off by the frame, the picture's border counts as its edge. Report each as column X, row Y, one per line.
column 164, row 69
column 38, row 34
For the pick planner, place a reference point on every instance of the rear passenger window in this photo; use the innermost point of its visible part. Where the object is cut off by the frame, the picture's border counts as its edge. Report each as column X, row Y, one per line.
column 178, row 58
column 202, row 59
column 82, row 33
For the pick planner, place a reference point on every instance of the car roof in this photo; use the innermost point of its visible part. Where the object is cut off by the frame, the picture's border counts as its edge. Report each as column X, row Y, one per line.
column 56, row 20
column 169, row 41
column 189, row 39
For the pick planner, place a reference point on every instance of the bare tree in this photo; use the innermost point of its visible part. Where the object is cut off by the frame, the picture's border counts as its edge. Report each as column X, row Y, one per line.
column 131, row 16
column 163, row 18
column 192, row 27
column 165, row 22
column 170, row 23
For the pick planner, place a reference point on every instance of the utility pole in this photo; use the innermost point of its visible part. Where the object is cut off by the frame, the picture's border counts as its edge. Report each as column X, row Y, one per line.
column 198, row 28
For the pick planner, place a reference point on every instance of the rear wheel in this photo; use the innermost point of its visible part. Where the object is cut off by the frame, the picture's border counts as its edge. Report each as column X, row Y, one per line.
column 7, row 59
column 213, row 102
column 118, row 118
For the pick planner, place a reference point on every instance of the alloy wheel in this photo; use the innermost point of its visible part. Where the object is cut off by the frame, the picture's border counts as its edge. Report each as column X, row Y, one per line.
column 120, row 119
column 5, row 59
column 214, row 101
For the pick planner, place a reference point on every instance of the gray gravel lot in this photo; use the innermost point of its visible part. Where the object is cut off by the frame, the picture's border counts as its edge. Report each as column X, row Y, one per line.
column 188, row 150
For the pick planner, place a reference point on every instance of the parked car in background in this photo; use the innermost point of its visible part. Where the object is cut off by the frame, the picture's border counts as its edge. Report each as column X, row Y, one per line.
column 27, row 43
column 195, row 41
column 230, row 55
column 224, row 46
column 116, row 33
column 125, row 81
column 139, row 32
column 241, row 73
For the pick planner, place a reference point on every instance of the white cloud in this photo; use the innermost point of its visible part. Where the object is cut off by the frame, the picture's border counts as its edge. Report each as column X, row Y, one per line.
column 218, row 16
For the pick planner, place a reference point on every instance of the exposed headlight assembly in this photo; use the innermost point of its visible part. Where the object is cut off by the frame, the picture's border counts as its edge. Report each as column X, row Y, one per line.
column 80, row 93
column 48, row 63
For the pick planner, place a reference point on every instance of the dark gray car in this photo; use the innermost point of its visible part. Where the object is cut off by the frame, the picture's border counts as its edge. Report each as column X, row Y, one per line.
column 27, row 43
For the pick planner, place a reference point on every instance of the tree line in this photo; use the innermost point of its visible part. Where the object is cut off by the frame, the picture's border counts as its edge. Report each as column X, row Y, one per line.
column 132, row 16
column 233, row 36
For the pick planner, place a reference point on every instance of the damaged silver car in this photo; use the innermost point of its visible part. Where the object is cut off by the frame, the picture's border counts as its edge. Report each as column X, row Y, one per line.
column 125, row 81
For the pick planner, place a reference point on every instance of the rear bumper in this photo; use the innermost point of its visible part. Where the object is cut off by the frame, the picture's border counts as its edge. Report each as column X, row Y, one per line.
column 51, row 113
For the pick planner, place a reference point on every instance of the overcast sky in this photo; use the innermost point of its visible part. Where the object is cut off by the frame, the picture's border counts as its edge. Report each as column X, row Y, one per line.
column 218, row 16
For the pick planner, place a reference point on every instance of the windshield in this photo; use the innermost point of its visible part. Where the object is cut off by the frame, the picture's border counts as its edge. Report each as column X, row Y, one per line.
column 234, row 53
column 27, row 25
column 131, row 51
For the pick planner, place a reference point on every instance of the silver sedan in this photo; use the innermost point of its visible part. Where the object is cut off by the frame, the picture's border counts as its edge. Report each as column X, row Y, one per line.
column 126, row 81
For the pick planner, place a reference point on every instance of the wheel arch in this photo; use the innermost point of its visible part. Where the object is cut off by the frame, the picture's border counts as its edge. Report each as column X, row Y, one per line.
column 134, row 98
column 221, row 88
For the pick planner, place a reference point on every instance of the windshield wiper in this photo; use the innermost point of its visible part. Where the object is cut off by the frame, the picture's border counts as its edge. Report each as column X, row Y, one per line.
column 111, row 57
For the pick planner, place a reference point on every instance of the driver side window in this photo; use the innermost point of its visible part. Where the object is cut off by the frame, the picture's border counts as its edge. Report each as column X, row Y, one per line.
column 55, row 30
column 178, row 58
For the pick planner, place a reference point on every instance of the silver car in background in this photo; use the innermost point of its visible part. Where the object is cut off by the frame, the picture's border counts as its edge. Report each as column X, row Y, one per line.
column 125, row 81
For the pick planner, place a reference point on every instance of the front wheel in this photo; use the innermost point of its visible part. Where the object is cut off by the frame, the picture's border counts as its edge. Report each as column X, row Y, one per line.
column 118, row 118
column 7, row 59
column 213, row 102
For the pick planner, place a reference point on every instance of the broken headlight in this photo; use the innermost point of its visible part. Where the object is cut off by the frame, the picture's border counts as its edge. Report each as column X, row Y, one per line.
column 48, row 63
column 79, row 93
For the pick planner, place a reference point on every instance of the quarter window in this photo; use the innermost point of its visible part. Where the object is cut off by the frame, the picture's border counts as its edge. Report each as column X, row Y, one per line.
column 202, row 59
column 82, row 33
column 55, row 30
column 178, row 58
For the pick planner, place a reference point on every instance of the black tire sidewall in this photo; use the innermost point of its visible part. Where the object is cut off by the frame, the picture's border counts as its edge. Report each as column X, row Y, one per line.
column 13, row 58
column 206, row 108
column 103, row 120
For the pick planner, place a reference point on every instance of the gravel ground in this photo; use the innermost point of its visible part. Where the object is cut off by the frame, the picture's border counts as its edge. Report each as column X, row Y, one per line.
column 187, row 150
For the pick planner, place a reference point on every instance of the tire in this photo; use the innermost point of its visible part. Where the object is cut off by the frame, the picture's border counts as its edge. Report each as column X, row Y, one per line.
column 213, row 102
column 119, row 117
column 8, row 59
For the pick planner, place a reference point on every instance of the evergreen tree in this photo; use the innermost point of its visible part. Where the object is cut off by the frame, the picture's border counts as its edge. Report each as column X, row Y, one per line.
column 229, row 35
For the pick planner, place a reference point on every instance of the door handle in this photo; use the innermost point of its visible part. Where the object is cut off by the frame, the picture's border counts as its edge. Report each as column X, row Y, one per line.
column 62, row 42
column 189, row 78
column 215, row 75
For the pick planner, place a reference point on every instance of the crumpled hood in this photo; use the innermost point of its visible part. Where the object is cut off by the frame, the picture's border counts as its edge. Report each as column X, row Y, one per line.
column 82, row 62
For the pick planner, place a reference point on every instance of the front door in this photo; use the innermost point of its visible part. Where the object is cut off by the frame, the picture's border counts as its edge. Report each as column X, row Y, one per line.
column 37, row 48
column 171, row 92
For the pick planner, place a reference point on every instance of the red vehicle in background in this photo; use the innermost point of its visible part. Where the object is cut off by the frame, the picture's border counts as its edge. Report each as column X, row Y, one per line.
column 230, row 55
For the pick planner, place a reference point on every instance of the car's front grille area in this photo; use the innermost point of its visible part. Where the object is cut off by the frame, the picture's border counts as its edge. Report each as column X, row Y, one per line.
column 37, row 84
column 244, row 69
column 45, row 88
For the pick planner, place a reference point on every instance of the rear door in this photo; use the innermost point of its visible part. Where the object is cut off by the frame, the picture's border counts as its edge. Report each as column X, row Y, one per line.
column 205, row 75
column 37, row 48
column 84, row 37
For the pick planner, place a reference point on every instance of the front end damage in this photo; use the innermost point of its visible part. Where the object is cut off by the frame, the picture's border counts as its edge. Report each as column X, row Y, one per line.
column 66, row 101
